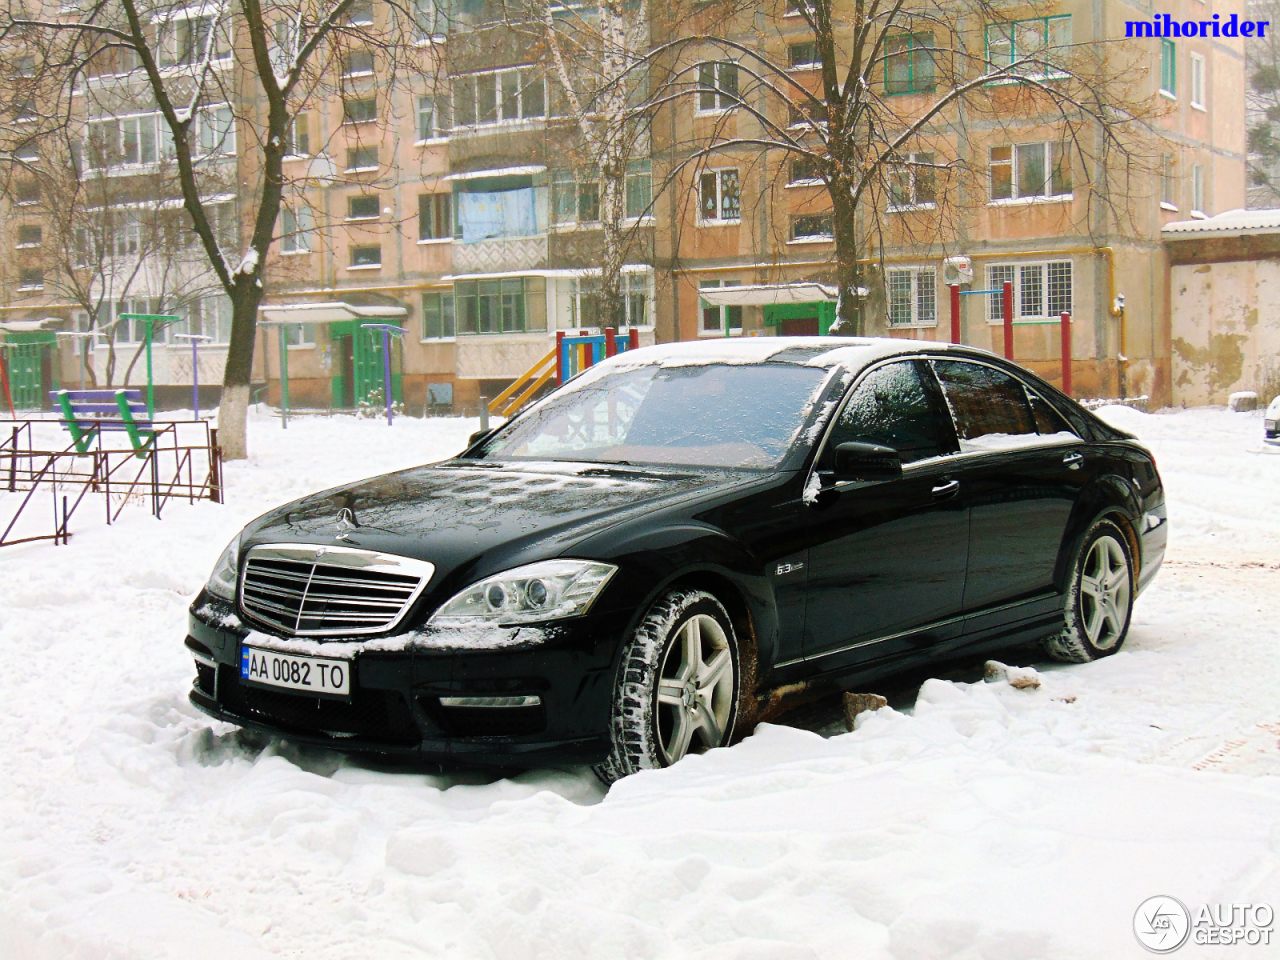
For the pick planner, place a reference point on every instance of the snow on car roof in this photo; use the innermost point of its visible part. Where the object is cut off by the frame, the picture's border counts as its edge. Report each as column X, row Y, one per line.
column 811, row 351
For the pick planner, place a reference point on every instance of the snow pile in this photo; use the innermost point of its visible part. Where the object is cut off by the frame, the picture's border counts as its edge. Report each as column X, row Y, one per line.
column 976, row 820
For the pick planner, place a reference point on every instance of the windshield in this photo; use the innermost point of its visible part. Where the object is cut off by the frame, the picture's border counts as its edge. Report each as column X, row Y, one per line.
column 713, row 415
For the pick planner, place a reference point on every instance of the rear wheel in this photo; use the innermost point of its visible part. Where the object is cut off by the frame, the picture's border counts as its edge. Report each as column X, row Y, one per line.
column 678, row 685
column 1099, row 599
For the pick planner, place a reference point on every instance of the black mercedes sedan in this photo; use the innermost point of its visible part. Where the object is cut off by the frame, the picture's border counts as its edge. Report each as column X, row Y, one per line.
column 649, row 560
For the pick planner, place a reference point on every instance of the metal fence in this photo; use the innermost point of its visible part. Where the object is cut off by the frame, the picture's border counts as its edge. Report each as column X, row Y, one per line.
column 183, row 461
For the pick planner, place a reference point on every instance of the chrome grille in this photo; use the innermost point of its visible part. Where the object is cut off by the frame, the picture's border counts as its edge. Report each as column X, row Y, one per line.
column 329, row 591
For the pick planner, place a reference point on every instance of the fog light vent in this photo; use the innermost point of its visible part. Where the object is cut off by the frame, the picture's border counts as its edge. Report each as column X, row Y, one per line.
column 528, row 701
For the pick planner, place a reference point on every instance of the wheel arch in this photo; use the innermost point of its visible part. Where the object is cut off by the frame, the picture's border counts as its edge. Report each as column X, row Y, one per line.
column 1109, row 497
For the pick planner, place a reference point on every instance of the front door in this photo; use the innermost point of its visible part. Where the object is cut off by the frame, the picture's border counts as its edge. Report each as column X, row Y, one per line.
column 26, row 379
column 887, row 559
column 1022, row 471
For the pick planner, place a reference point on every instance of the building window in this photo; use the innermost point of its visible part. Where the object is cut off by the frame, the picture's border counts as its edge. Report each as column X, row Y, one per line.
column 363, row 206
column 639, row 188
column 299, row 334
column 636, row 293
column 490, row 306
column 912, row 183
column 717, row 85
column 360, row 13
column 359, row 109
column 1028, row 48
column 912, row 297
column 576, row 198
column 819, row 226
column 217, row 132
column 437, row 316
column 26, row 193
column 504, row 96
column 32, row 279
column 29, row 234
column 1168, row 67
column 295, row 228
column 28, row 151
column 803, row 55
column 1168, row 183
column 189, row 40
column 1197, row 81
column 719, row 196
column 1197, row 189
column 358, row 63
column 1029, row 170
column 435, row 216
column 1041, row 291
column 806, row 114
column 804, row 170
column 297, row 137
column 366, row 256
column 425, row 19
column 715, row 320
column 362, row 158
column 908, row 65
column 430, row 123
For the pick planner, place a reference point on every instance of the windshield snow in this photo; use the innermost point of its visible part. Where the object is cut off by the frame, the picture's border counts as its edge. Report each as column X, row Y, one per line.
column 713, row 415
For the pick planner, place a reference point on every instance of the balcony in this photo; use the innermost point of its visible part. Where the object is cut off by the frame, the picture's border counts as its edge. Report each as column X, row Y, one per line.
column 500, row 256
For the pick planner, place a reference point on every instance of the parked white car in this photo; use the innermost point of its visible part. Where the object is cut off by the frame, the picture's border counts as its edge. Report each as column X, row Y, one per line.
column 1272, row 422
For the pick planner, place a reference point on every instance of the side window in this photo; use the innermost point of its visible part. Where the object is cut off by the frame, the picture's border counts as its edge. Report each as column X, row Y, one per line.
column 1049, row 422
column 889, row 407
column 990, row 408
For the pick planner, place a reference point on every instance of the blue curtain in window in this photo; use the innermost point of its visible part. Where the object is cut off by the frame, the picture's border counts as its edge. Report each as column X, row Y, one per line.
column 486, row 216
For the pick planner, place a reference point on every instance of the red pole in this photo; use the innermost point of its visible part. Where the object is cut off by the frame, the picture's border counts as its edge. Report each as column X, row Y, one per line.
column 955, row 313
column 559, row 358
column 1066, row 353
column 633, row 339
column 1008, row 319
column 4, row 378
column 610, row 346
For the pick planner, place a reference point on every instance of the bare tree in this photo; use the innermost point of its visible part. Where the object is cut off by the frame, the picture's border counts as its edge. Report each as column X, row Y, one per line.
column 1262, row 110
column 258, row 62
column 886, row 92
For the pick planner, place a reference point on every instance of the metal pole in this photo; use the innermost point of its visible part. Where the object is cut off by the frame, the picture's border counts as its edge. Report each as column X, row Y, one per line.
column 610, row 343
column 195, row 378
column 1066, row 353
column 386, row 370
column 559, row 359
column 484, row 413
column 151, row 392
column 84, row 358
column 1008, row 319
column 955, row 313
column 284, row 381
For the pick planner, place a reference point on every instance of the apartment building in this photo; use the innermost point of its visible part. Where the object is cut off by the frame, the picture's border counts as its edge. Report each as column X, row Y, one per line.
column 1024, row 208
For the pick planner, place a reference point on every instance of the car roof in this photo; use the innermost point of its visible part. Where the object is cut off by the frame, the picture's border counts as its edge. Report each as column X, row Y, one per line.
column 852, row 353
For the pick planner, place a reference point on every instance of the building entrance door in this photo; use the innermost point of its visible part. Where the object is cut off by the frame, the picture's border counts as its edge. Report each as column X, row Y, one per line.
column 26, row 380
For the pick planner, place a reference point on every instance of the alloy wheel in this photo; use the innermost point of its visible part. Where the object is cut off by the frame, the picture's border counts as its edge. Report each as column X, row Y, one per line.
column 696, row 689
column 1104, row 593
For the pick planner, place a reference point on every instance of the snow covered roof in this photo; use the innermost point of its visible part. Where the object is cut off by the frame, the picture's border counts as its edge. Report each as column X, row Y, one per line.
column 768, row 293
column 332, row 312
column 30, row 326
column 1232, row 223
column 500, row 172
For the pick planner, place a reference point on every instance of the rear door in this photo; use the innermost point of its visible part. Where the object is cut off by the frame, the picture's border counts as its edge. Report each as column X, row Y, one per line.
column 1021, row 471
column 887, row 559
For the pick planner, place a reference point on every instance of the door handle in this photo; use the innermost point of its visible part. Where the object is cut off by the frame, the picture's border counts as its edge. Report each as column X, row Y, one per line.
column 1073, row 460
column 948, row 489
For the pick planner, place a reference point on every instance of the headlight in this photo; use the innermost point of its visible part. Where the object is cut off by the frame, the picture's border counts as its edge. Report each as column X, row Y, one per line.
column 548, row 590
column 222, row 582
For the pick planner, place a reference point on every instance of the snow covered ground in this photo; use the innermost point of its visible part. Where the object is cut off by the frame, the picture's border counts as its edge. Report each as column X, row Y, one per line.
column 977, row 821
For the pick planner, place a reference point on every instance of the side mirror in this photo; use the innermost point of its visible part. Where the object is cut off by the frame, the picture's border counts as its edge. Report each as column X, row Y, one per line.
column 866, row 461
column 477, row 437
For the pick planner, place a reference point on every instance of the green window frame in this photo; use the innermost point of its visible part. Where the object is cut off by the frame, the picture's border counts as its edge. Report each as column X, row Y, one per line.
column 1168, row 67
column 489, row 306
column 909, row 64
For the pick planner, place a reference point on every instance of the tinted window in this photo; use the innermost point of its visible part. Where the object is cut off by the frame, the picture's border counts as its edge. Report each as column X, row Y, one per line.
column 989, row 407
column 889, row 407
column 727, row 415
column 1048, row 420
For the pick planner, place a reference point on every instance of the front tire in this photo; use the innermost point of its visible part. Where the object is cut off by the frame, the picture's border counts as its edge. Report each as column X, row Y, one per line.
column 678, row 685
column 1099, row 598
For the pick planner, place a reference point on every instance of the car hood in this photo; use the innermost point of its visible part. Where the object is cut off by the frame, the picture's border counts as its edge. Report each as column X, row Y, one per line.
column 478, row 518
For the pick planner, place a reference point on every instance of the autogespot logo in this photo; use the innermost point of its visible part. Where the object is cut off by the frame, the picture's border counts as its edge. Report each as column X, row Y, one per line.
column 1161, row 924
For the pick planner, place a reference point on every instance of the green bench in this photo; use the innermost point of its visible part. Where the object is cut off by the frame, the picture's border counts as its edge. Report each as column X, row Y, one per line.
column 84, row 411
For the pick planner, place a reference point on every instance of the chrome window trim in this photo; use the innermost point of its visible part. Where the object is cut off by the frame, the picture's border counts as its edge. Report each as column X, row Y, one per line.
column 313, row 553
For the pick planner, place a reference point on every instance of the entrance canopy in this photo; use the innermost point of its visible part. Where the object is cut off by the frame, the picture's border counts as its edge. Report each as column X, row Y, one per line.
column 768, row 294
column 337, row 311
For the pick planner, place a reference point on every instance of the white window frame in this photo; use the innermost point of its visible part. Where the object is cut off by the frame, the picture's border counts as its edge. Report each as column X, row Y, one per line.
column 923, row 287
column 293, row 138
column 430, row 104
column 363, row 266
column 295, row 229
column 994, row 277
column 913, row 182
column 28, row 245
column 1169, row 183
column 468, row 82
column 1197, row 192
column 719, row 220
column 722, row 312
column 724, row 101
column 1050, row 150
column 1197, row 72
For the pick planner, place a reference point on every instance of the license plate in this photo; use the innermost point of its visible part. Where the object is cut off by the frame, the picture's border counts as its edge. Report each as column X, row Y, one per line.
column 310, row 674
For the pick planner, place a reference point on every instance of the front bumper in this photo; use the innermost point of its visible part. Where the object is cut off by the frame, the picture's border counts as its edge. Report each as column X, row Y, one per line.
column 395, row 705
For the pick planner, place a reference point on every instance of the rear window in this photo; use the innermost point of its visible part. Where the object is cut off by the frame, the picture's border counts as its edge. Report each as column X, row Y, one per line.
column 721, row 415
